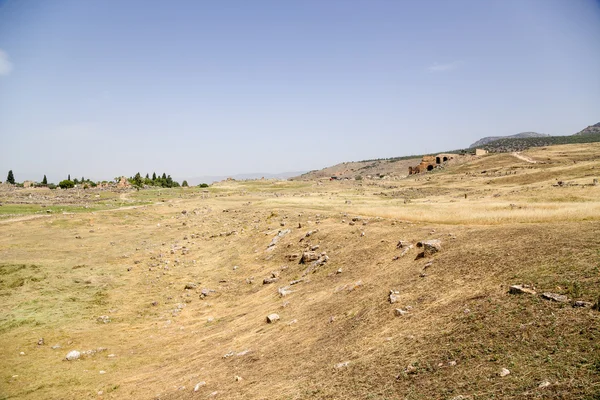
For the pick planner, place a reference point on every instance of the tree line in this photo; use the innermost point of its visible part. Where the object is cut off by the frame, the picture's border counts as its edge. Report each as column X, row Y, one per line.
column 163, row 180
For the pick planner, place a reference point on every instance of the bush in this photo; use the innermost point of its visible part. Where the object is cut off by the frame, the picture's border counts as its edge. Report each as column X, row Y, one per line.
column 203, row 185
column 358, row 177
column 66, row 184
column 51, row 186
column 184, row 184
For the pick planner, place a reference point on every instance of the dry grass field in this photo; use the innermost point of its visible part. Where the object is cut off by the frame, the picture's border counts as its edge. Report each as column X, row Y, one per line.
column 166, row 300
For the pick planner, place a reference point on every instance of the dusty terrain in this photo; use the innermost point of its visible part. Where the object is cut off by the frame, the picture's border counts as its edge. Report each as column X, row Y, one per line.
column 167, row 300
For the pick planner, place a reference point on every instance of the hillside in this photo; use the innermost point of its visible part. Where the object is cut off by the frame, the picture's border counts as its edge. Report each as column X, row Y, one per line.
column 590, row 130
column 523, row 135
column 394, row 168
column 169, row 300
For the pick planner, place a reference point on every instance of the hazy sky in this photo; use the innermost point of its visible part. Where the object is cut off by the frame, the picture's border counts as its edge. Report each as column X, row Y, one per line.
column 102, row 88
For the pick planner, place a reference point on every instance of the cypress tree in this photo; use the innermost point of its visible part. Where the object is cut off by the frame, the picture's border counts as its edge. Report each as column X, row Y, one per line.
column 10, row 178
column 44, row 181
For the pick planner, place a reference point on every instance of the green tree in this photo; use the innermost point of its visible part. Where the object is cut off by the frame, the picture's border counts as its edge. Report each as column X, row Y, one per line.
column 69, row 177
column 66, row 184
column 164, row 176
column 10, row 178
column 44, row 181
column 153, row 176
column 184, row 184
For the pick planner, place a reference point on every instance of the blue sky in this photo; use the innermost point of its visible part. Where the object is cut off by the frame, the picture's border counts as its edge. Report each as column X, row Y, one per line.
column 102, row 88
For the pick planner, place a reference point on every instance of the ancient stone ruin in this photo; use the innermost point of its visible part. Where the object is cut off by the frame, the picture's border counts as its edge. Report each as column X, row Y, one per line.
column 428, row 163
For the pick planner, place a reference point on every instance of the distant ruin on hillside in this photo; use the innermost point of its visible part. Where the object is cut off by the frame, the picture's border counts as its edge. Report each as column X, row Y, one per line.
column 428, row 163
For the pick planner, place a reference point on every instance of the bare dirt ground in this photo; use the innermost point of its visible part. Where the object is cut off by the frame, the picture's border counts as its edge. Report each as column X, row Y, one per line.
column 169, row 300
column 524, row 158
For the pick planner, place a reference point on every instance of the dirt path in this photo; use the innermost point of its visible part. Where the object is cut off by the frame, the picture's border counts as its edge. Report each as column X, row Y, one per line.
column 524, row 158
column 30, row 217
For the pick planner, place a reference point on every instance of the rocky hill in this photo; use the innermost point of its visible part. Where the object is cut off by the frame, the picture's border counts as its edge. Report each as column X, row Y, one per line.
column 386, row 168
column 590, row 130
column 522, row 135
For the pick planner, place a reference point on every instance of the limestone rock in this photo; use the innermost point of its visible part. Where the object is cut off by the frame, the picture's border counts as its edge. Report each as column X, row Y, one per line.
column 400, row 312
column 504, row 372
column 520, row 289
column 73, row 355
column 309, row 256
column 580, row 303
column 430, row 247
column 272, row 318
column 190, row 286
column 560, row 298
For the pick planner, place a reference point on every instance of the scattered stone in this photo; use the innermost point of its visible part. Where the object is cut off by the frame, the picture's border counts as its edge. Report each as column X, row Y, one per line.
column 402, row 244
column 102, row 372
column 315, row 247
column 235, row 267
column 342, row 364
column 292, row 322
column 270, row 280
column 560, row 298
column 292, row 257
column 452, row 363
column 544, row 384
column 105, row 319
column 504, row 372
column 78, row 237
column 393, row 296
column 230, row 354
column 308, row 256
column 520, row 289
column 429, row 264
column 295, row 282
column 73, row 355
column 190, row 286
column 400, row 312
column 206, row 292
column 580, row 303
column 351, row 223
column 40, row 342
column 238, row 378
column 55, row 347
column 339, row 271
column 199, row 385
column 210, row 319
column 430, row 247
column 284, row 291
column 22, row 353
column 272, row 318
column 405, row 250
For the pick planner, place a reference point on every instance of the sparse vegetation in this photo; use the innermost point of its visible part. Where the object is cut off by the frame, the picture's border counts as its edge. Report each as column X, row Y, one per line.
column 133, row 265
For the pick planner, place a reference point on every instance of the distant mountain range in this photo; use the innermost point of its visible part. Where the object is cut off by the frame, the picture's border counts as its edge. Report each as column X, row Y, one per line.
column 257, row 175
column 522, row 135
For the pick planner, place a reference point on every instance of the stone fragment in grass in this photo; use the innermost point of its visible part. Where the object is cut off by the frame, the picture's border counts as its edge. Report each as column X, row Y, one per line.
column 272, row 318
column 560, row 298
column 73, row 355
column 430, row 247
column 520, row 289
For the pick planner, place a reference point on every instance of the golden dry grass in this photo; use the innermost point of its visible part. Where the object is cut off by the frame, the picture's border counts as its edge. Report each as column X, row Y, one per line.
column 166, row 339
